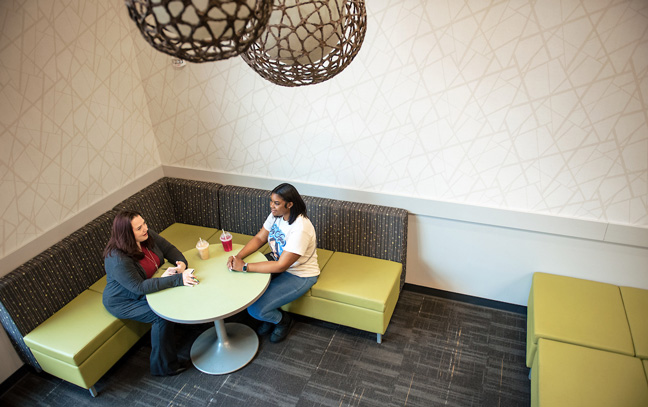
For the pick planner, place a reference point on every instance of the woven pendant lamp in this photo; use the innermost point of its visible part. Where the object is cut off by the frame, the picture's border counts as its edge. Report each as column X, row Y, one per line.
column 308, row 41
column 200, row 30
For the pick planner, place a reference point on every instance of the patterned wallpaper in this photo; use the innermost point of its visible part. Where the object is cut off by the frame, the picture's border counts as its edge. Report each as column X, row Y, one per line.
column 522, row 105
column 536, row 106
column 74, row 123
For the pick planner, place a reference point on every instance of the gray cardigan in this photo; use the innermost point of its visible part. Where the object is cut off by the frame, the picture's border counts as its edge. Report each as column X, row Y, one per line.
column 126, row 279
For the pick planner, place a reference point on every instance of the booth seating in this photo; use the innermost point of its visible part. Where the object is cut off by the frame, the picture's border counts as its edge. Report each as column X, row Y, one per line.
column 51, row 306
column 361, row 252
column 581, row 335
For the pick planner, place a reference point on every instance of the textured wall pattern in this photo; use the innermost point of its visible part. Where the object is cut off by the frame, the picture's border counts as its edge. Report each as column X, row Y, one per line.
column 523, row 105
column 532, row 106
column 74, row 123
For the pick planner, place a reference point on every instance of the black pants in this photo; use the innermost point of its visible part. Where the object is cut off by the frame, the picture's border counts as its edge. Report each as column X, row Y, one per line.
column 164, row 359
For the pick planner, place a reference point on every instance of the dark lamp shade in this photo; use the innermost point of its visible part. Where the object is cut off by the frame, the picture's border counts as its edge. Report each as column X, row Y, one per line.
column 307, row 42
column 200, row 30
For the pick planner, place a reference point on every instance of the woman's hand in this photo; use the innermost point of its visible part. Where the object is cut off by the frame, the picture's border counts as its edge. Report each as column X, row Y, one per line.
column 230, row 262
column 188, row 279
column 234, row 263
column 179, row 268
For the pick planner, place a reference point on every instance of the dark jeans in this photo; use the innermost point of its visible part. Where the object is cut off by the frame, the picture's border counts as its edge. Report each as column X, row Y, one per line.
column 164, row 359
column 284, row 288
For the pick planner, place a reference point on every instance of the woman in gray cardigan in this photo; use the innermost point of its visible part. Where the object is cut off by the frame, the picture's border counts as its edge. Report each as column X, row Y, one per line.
column 133, row 254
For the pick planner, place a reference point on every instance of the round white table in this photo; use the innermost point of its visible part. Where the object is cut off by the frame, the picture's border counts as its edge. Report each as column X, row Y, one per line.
column 220, row 293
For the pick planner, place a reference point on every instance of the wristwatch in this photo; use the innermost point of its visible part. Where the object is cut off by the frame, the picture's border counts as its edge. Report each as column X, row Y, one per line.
column 245, row 268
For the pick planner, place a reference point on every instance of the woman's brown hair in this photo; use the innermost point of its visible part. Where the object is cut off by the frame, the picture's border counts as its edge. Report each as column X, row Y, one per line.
column 122, row 237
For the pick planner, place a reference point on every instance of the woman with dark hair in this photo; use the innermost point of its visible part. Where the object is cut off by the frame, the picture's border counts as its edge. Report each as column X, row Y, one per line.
column 292, row 262
column 132, row 256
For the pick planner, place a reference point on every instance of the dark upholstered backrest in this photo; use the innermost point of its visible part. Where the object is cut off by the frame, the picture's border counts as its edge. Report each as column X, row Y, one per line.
column 171, row 200
column 154, row 203
column 324, row 214
column 362, row 229
column 243, row 210
column 43, row 285
column 84, row 249
column 194, row 202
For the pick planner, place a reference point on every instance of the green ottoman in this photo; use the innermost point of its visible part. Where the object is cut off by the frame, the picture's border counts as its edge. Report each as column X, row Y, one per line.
column 356, row 291
column 635, row 301
column 576, row 311
column 81, row 341
column 575, row 376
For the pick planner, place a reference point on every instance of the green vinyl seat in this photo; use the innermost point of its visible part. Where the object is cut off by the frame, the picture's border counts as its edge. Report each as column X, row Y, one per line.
column 184, row 237
column 352, row 290
column 577, row 311
column 635, row 301
column 81, row 341
column 576, row 376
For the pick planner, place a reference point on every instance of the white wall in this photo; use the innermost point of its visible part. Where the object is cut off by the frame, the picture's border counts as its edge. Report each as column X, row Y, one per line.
column 535, row 107
column 497, row 263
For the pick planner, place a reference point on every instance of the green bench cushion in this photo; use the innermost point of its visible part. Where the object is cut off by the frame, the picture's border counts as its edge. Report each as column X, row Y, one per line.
column 576, row 376
column 323, row 257
column 635, row 301
column 99, row 362
column 76, row 331
column 184, row 237
column 99, row 285
column 344, row 314
column 361, row 281
column 576, row 311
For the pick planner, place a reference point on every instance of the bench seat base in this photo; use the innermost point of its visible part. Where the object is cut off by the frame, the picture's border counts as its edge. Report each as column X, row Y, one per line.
column 355, row 291
column 82, row 341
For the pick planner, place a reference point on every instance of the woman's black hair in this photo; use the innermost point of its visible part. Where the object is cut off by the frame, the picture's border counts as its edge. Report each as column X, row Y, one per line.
column 289, row 194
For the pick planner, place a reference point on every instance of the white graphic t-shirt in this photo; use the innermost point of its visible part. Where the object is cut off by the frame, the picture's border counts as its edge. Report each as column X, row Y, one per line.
column 298, row 238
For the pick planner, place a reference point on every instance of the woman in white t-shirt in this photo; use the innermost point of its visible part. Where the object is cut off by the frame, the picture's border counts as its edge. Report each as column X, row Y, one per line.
column 292, row 262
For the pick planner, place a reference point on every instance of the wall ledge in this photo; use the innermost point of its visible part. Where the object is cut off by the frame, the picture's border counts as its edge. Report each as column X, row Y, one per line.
column 627, row 235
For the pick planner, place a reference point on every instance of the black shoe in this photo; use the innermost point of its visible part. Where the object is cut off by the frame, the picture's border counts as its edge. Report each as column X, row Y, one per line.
column 178, row 371
column 184, row 365
column 265, row 328
column 282, row 329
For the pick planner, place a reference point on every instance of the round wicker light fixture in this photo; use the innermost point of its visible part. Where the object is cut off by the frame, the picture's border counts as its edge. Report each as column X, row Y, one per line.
column 200, row 30
column 308, row 41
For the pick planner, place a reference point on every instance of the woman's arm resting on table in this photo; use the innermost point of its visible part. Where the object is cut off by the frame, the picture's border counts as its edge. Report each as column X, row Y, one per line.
column 252, row 246
column 281, row 265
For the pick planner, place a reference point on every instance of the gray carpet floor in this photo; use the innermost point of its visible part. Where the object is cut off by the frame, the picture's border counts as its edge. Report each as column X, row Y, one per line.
column 436, row 352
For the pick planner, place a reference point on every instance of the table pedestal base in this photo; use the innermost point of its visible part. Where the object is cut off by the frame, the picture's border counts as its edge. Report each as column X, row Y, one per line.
column 224, row 349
